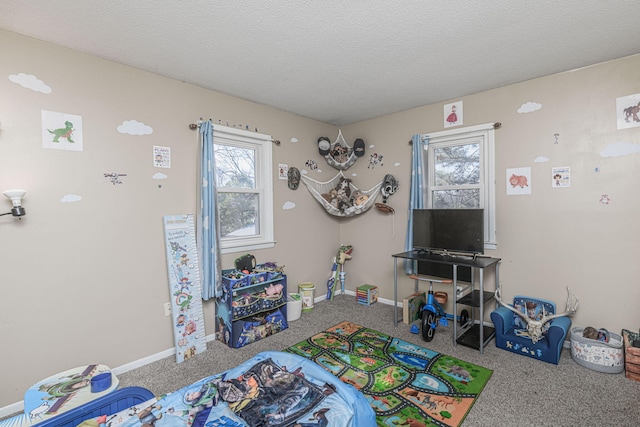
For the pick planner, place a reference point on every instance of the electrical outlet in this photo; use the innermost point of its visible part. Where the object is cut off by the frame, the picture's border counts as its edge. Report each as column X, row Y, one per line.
column 167, row 309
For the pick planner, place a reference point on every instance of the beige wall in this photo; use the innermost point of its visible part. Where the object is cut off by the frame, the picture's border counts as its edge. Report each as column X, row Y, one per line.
column 85, row 282
column 555, row 237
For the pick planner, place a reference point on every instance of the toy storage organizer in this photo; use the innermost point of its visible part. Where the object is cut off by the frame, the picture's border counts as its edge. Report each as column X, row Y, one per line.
column 252, row 307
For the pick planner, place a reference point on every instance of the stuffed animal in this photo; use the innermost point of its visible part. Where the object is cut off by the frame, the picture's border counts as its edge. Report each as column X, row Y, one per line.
column 344, row 185
column 344, row 253
column 331, row 195
column 272, row 289
column 343, row 194
column 340, row 153
column 590, row 332
column 389, row 187
column 344, row 201
column 358, row 198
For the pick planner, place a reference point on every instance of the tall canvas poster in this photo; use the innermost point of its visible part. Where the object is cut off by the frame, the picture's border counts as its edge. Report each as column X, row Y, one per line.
column 184, row 286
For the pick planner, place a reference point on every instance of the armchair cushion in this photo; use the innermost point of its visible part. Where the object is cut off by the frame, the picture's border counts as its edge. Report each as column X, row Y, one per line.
column 511, row 333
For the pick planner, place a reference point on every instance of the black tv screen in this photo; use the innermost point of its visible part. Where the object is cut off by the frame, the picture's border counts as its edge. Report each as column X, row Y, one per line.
column 452, row 230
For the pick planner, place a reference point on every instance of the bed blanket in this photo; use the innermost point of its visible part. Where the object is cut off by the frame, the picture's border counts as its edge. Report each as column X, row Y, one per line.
column 272, row 389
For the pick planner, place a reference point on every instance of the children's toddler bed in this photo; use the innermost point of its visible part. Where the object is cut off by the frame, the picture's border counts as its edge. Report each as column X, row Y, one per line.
column 271, row 389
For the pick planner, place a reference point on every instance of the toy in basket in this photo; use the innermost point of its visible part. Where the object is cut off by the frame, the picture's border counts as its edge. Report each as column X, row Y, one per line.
column 271, row 297
column 234, row 279
column 244, row 306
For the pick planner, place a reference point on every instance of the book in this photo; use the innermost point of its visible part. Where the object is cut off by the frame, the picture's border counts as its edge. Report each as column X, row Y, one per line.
column 412, row 307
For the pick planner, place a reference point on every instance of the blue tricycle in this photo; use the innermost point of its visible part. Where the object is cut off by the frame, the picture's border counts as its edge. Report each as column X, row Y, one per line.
column 432, row 311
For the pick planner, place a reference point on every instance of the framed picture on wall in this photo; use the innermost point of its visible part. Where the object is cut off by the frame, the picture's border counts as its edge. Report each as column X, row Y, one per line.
column 61, row 131
column 518, row 181
column 453, row 114
column 628, row 111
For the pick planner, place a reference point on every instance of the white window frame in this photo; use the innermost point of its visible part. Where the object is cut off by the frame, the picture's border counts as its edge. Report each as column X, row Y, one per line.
column 484, row 135
column 262, row 145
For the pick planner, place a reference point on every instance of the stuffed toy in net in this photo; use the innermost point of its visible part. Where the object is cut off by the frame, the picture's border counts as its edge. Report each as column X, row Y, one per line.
column 340, row 197
column 340, row 155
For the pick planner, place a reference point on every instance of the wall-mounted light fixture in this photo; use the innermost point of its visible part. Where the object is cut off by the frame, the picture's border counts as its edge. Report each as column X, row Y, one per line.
column 16, row 199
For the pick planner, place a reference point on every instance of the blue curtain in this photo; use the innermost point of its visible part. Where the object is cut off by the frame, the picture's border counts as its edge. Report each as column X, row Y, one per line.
column 416, row 192
column 208, row 238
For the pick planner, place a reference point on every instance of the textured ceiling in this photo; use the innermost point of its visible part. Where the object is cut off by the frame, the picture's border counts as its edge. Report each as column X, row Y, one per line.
column 339, row 62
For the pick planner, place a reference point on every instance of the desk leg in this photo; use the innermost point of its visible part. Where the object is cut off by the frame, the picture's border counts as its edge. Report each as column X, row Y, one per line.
column 455, row 305
column 395, row 292
column 481, row 310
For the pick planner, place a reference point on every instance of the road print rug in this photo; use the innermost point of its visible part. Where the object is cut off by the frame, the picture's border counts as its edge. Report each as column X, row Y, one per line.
column 405, row 384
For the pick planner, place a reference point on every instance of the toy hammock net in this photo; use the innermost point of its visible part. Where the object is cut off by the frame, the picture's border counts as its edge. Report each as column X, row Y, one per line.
column 318, row 189
column 341, row 156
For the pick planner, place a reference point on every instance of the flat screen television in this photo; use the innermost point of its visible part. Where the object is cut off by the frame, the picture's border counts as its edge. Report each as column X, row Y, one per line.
column 451, row 230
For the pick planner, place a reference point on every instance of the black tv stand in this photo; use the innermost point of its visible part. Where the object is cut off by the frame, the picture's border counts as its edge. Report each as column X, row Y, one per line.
column 475, row 334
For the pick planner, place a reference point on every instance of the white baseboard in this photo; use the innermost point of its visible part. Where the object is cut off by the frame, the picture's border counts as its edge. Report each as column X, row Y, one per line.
column 19, row 406
column 380, row 300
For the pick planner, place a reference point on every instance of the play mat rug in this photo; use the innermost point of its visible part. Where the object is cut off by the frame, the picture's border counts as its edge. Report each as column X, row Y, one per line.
column 403, row 382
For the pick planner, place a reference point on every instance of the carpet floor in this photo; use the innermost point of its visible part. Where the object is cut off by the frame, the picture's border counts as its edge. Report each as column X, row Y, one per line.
column 402, row 381
column 521, row 390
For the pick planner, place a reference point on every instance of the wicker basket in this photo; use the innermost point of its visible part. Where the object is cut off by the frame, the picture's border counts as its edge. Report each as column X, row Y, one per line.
column 631, row 354
column 600, row 356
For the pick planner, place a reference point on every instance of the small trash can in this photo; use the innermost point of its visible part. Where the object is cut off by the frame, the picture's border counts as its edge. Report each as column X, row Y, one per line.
column 307, row 290
column 294, row 307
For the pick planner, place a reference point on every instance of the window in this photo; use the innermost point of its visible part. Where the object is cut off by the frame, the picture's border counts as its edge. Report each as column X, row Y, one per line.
column 245, row 189
column 461, row 173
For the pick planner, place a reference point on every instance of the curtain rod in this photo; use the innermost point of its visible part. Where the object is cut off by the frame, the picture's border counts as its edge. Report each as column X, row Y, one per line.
column 496, row 125
column 194, row 126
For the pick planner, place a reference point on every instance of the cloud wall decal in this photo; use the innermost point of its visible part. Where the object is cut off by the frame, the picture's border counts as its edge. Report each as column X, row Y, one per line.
column 134, row 127
column 30, row 81
column 620, row 148
column 529, row 107
column 70, row 198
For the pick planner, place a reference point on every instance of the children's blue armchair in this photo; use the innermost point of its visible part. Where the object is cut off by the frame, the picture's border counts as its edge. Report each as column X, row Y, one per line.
column 511, row 329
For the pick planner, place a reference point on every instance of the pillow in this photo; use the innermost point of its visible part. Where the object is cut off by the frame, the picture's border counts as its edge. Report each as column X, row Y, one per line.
column 268, row 392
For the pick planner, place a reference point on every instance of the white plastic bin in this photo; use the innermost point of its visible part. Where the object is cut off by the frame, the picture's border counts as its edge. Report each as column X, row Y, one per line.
column 294, row 307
